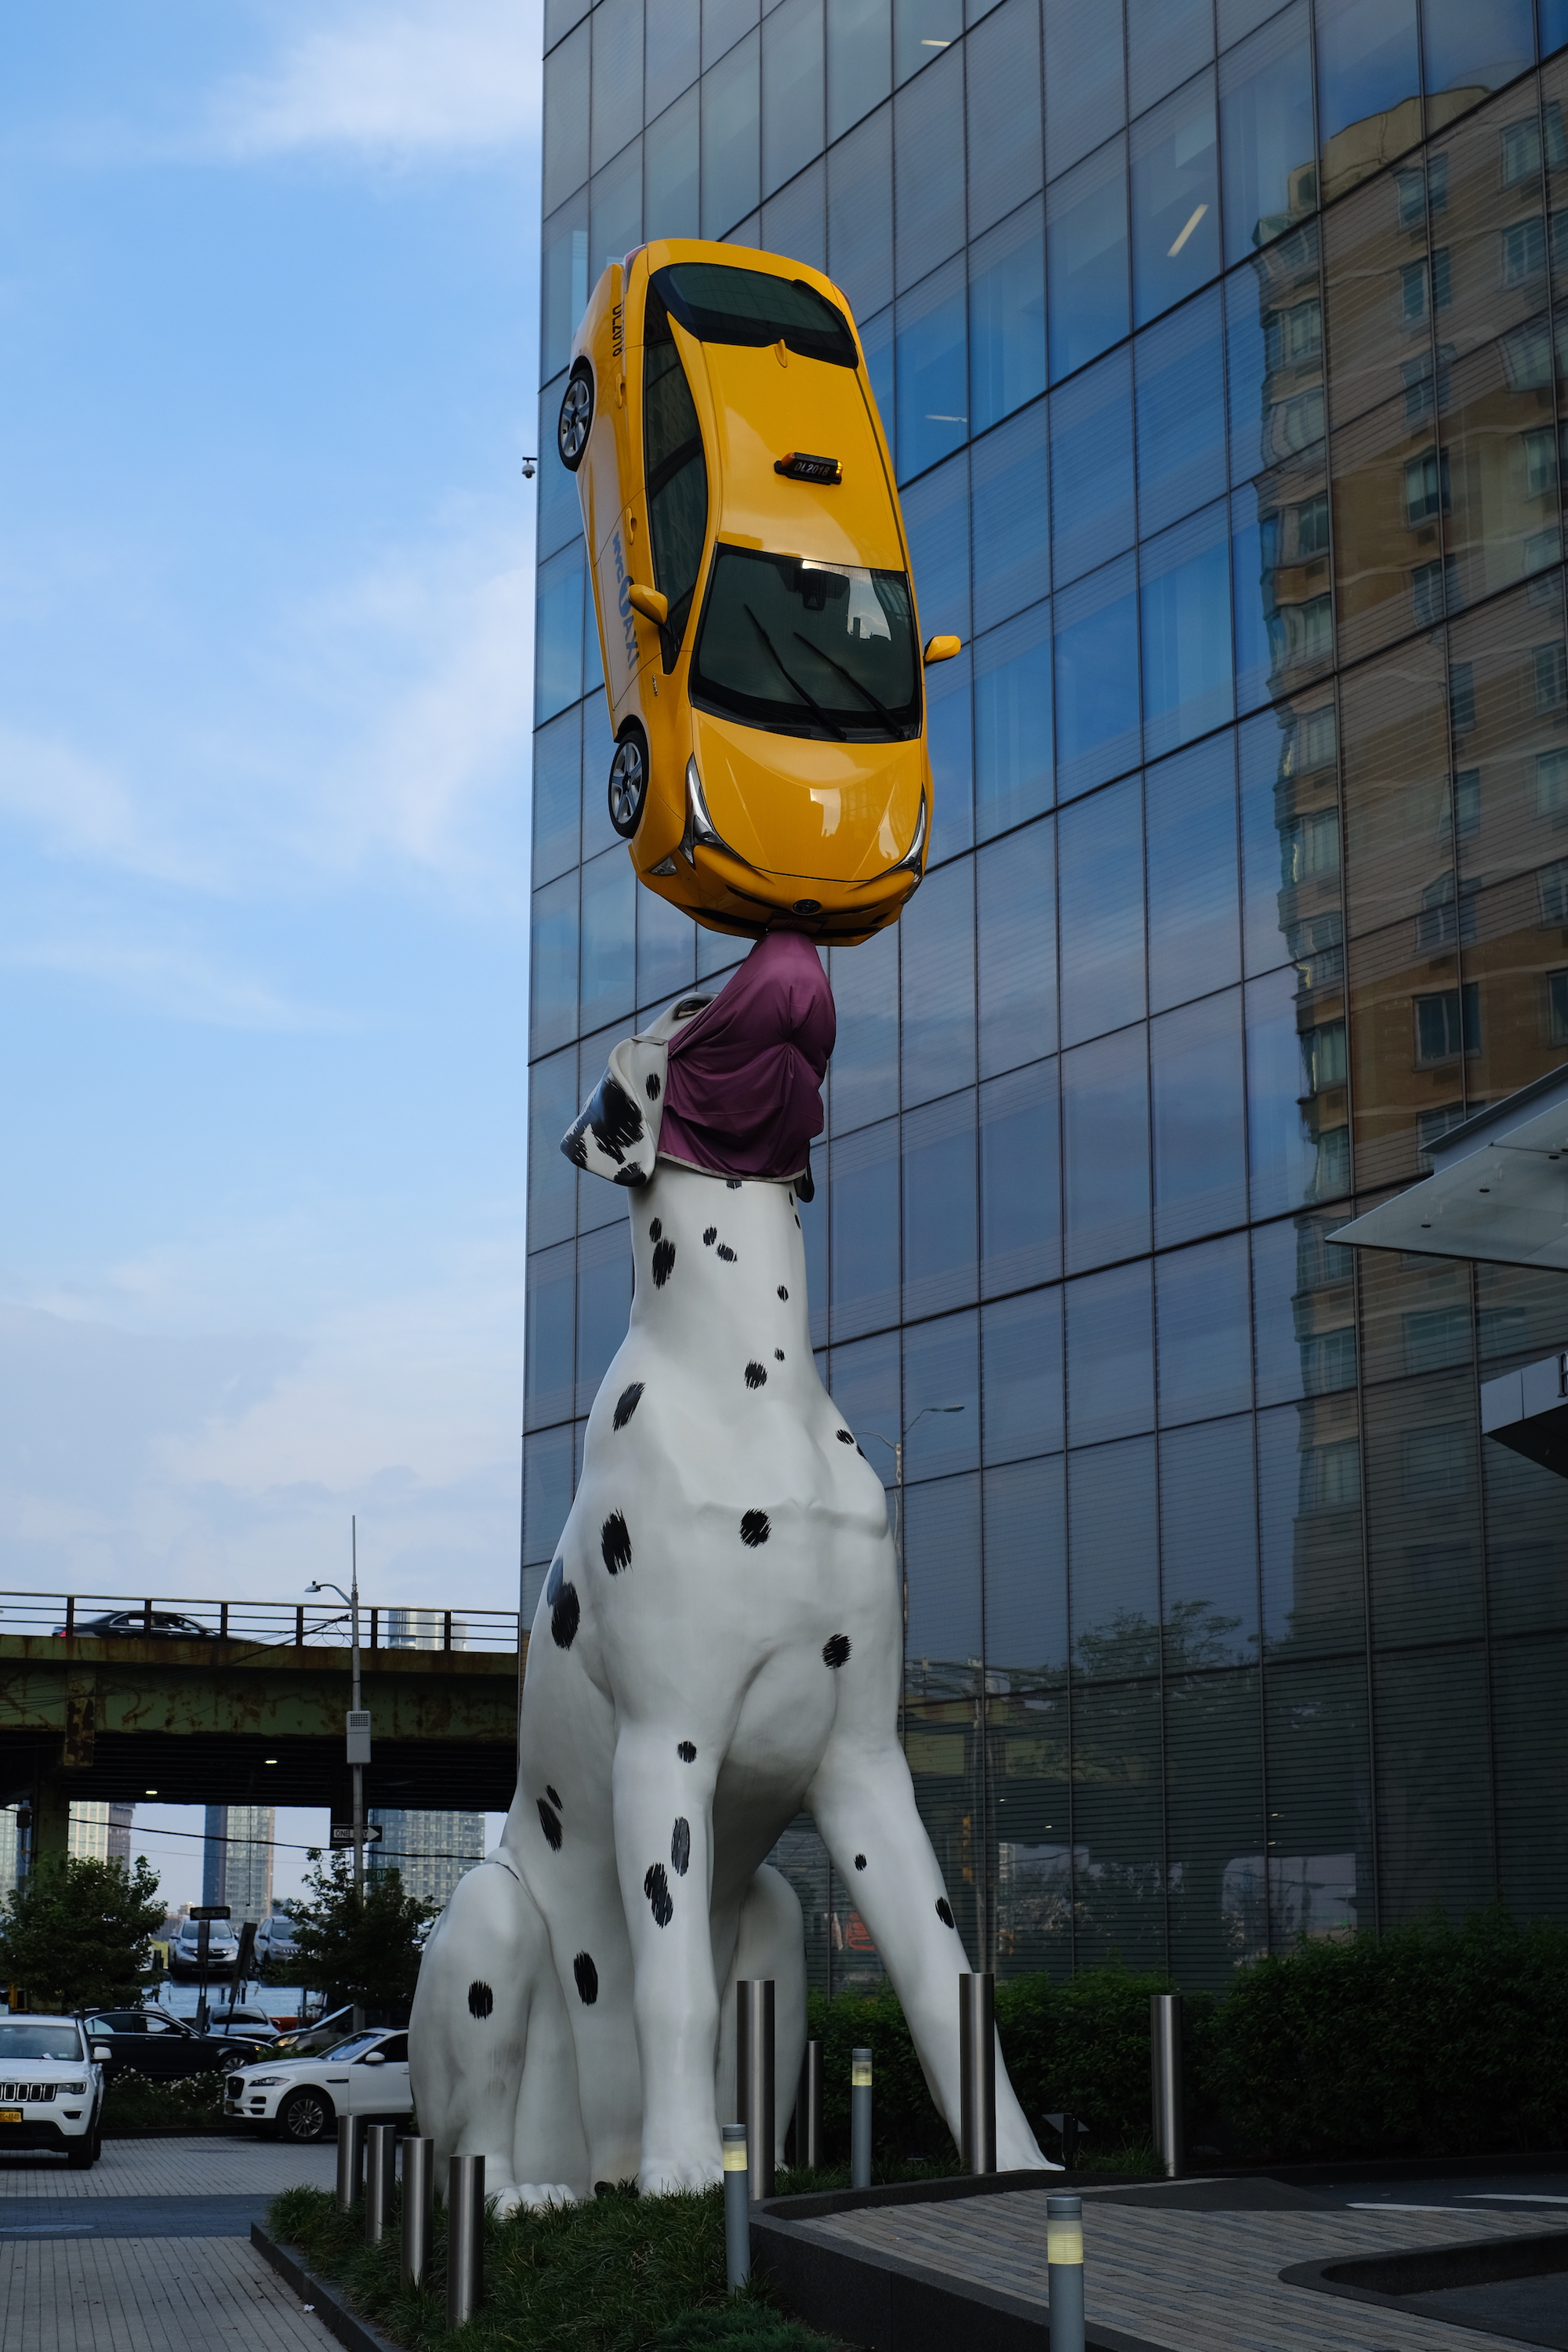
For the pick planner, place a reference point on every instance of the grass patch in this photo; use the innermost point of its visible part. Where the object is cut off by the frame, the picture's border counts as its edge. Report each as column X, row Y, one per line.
column 624, row 2273
column 132, row 2100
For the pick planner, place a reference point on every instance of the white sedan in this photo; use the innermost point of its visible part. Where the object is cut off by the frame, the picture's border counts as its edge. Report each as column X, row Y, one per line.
column 302, row 2098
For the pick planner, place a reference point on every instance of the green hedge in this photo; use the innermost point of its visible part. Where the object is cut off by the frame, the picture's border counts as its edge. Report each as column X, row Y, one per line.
column 1429, row 2040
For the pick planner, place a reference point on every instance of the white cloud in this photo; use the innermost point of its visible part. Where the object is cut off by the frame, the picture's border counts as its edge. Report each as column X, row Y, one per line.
column 425, row 77
column 182, row 984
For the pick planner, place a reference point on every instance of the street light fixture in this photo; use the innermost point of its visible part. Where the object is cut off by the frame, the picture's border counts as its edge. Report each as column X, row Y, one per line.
column 358, row 1726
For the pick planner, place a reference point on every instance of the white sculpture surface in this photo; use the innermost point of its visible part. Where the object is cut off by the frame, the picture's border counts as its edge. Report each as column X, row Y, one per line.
column 718, row 1645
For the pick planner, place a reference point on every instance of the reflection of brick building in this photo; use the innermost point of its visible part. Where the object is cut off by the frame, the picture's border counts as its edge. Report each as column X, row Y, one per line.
column 1224, row 393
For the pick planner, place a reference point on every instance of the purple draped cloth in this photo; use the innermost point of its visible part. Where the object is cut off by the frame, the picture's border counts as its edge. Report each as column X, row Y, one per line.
column 743, row 1094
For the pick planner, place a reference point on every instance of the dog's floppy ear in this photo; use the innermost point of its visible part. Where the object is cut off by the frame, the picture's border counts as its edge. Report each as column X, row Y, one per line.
column 616, row 1132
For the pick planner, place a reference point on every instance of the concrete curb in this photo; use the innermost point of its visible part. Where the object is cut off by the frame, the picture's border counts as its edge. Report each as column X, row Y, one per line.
column 359, row 2335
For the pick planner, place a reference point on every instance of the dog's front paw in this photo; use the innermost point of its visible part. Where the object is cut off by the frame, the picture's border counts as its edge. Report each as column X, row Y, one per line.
column 668, row 2174
column 537, row 2195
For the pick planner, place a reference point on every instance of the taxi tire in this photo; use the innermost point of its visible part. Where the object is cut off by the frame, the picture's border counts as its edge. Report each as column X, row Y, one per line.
column 575, row 421
column 316, row 2114
column 628, row 780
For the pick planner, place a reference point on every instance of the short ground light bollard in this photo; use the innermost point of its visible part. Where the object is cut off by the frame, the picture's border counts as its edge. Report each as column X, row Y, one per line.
column 754, row 2077
column 465, row 2237
column 1064, row 2272
column 1166, row 2067
column 350, row 2156
column 737, row 2208
column 977, row 2071
column 419, row 2208
column 381, row 2160
column 859, row 2119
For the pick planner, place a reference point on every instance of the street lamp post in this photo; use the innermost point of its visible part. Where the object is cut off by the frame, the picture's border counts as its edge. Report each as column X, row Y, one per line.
column 896, row 1448
column 358, row 1730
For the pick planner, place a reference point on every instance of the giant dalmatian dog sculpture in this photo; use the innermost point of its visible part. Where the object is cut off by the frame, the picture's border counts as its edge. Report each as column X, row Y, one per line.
column 718, row 1643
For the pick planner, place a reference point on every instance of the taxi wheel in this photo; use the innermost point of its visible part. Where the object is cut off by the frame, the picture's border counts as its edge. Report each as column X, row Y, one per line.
column 306, row 2117
column 628, row 780
column 576, row 417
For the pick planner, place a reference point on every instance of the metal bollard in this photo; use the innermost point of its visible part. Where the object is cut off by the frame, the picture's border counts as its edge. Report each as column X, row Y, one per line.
column 465, row 2237
column 379, row 2164
column 755, row 2078
column 808, row 2109
column 351, row 2160
column 737, row 2208
column 419, row 2208
column 1064, row 2272
column 1166, row 2067
column 977, row 2071
column 859, row 2119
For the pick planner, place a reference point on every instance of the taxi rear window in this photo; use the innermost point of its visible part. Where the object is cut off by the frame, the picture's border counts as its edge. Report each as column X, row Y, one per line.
column 718, row 304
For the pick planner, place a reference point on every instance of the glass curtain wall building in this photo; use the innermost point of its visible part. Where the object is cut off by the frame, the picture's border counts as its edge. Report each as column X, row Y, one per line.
column 1220, row 349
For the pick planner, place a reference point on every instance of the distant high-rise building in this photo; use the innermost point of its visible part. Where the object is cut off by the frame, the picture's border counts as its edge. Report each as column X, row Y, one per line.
column 431, row 1850
column 238, row 1863
column 101, row 1832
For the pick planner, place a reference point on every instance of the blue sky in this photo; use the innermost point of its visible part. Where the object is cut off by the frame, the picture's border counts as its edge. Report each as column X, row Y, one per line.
column 268, row 300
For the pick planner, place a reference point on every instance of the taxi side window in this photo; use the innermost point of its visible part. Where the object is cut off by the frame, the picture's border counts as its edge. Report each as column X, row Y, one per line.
column 677, row 473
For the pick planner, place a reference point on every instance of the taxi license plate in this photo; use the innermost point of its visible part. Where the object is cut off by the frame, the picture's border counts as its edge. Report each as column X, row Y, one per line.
column 10, row 2115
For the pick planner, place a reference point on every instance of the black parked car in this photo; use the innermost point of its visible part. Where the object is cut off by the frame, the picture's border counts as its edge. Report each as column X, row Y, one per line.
column 149, row 2041
column 131, row 1625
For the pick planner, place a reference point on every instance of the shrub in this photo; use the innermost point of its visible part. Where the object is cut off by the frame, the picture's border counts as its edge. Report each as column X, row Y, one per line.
column 77, row 1932
column 133, row 2099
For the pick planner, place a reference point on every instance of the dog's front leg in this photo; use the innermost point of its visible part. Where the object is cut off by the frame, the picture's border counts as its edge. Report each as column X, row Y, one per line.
column 663, row 1846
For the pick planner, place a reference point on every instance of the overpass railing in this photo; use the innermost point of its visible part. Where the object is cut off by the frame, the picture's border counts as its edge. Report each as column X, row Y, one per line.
column 265, row 1625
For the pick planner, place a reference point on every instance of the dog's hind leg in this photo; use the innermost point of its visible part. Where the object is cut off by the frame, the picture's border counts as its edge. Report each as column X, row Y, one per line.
column 770, row 1942
column 491, row 2064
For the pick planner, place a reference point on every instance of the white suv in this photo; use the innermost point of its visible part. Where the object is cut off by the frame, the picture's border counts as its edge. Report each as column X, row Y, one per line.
column 302, row 2098
column 51, row 2087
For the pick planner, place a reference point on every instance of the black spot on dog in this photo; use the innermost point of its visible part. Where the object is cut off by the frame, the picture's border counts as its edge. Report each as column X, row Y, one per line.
column 655, row 1230
column 732, row 1183
column 631, row 1175
column 553, row 1583
column 686, row 1753
column 574, row 1144
column 656, row 1887
column 755, row 1528
column 835, row 1651
column 650, row 1085
column 553, row 1798
column 782, row 1292
column 797, row 1225
column 944, row 1910
column 587, row 1977
column 550, row 1822
column 845, row 1438
column 565, row 1617
column 710, row 1236
column 482, row 1999
column 614, row 1117
column 626, row 1404
column 756, row 1378
column 616, row 1543
column 663, row 1263
column 680, row 1846
column 778, row 1355
column 727, row 1253
column 859, row 1861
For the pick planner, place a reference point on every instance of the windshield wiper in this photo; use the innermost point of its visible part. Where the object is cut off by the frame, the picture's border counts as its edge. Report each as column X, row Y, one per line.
column 815, row 707
column 849, row 678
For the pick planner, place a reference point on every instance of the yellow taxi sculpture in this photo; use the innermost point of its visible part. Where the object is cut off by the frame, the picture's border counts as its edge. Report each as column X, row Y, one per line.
column 762, row 663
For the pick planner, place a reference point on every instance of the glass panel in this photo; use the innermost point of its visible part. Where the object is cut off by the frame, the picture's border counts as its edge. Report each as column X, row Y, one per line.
column 547, row 1336
column 1502, row 524
column 1167, row 41
column 1026, row 1574
column 933, row 371
column 730, row 138
column 1118, row 1825
column 1423, row 1509
column 1205, row 1345
column 1114, row 1561
column 1208, row 1546
column 723, row 22
column 1304, row 1290
column 566, row 118
column 1471, row 49
column 860, row 65
column 1181, row 414
column 560, row 514
column 866, row 1386
column 949, row 742
column 671, row 51
column 1017, row 939
column 553, row 965
column 670, row 151
column 617, row 28
column 928, row 165
column 1214, row 1823
column 1527, row 1553
column 1284, row 1162
column 1415, row 1315
column 1100, row 847
column 860, row 217
column 1176, row 200
column 609, row 932
column 1190, row 828
column 559, row 15
column 922, row 29
column 1434, row 1814
column 1274, row 355
column 938, row 984
column 1096, row 668
column 1003, row 102
column 1200, row 1147
column 1093, row 510
column 558, row 654
column 1110, row 1355
column 1008, row 317
column 1186, row 631
column 1086, row 251
column 941, row 1565
column 939, row 1177
column 1367, row 66
column 864, row 1230
column 865, row 1065
column 1266, row 135
column 1021, row 1344
column 557, row 795
column 1085, row 100
column 615, row 208
column 936, row 523
column 563, row 282
column 850, row 670
column 792, row 90
column 941, row 1370
column 1263, row 910
column 877, row 343
column 1009, row 475
column 1309, row 1494
column 552, row 1105
column 1284, row 610
column 1319, row 1802
column 1013, row 722
column 1485, row 273
column 1105, row 1154
column 546, row 1492
column 1020, row 1181
column 666, row 950
column 795, row 222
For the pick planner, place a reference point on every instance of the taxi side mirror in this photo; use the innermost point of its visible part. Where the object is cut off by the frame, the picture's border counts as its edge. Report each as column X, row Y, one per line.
column 942, row 648
column 649, row 604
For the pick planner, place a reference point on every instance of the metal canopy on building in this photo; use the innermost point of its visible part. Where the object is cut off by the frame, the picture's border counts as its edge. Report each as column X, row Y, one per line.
column 1497, row 1191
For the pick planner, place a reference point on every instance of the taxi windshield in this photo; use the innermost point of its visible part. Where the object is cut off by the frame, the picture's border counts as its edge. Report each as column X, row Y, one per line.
column 808, row 648
column 720, row 303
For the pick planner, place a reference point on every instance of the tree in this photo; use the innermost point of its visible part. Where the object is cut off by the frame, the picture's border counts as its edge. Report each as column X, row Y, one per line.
column 76, row 1933
column 364, row 1950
